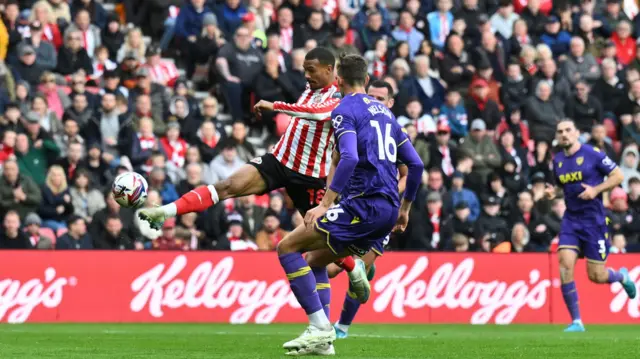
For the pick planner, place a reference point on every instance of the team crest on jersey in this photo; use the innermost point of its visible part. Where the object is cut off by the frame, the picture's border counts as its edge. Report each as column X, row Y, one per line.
column 580, row 160
column 257, row 160
column 560, row 164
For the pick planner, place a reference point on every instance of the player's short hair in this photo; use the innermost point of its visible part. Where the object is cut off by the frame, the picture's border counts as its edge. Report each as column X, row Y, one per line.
column 567, row 119
column 353, row 69
column 323, row 55
column 382, row 84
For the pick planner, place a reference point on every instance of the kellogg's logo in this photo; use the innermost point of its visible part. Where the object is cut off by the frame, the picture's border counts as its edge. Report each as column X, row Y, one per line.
column 621, row 299
column 451, row 287
column 209, row 286
column 18, row 300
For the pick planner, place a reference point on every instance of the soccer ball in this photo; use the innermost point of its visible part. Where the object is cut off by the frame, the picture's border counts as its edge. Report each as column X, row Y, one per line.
column 130, row 190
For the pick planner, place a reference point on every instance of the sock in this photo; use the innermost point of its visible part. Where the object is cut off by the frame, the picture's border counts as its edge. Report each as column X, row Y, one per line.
column 346, row 263
column 303, row 286
column 570, row 295
column 323, row 287
column 614, row 276
column 349, row 310
column 196, row 200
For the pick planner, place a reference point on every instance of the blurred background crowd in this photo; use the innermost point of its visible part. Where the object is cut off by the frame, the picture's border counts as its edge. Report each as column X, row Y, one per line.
column 89, row 89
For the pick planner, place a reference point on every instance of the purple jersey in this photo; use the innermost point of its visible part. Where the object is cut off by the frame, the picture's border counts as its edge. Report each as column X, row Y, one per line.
column 590, row 166
column 378, row 138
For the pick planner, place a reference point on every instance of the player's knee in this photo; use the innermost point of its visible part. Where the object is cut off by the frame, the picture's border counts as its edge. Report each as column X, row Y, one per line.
column 566, row 272
column 598, row 276
column 283, row 248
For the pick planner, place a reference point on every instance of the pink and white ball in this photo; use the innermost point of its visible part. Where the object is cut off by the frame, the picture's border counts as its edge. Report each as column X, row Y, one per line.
column 130, row 190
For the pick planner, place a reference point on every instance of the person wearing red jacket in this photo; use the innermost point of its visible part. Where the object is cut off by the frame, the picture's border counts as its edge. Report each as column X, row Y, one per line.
column 174, row 146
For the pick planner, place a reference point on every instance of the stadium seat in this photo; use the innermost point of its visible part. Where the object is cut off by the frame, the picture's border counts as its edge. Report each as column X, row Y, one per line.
column 61, row 231
column 610, row 126
column 48, row 232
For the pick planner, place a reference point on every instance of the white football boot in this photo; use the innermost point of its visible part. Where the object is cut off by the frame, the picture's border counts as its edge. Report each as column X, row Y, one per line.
column 320, row 350
column 312, row 337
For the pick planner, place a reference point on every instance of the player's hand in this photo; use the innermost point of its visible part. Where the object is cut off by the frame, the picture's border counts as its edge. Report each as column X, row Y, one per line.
column 262, row 105
column 589, row 192
column 401, row 222
column 315, row 213
column 549, row 191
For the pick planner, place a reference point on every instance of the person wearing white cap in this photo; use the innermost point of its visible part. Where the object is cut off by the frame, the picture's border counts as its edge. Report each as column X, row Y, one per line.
column 485, row 154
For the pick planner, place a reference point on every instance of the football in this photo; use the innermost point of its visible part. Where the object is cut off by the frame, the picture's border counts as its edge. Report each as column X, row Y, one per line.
column 130, row 190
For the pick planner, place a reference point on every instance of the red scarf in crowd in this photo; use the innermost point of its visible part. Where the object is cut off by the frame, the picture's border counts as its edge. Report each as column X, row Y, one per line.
column 434, row 218
column 481, row 102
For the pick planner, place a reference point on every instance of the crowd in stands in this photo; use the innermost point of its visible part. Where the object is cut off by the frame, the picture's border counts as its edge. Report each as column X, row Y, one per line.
column 89, row 90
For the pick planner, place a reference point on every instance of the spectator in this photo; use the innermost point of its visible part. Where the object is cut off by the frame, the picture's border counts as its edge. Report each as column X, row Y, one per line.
column 520, row 38
column 230, row 15
column 600, row 140
column 133, row 46
column 629, row 165
column 72, row 57
column 490, row 229
column 105, row 127
column 502, row 21
column 543, row 112
column 252, row 215
column 115, row 237
column 495, row 187
column 159, row 182
column 443, row 153
column 17, row 191
column 56, row 99
column 45, row 52
column 486, row 157
column 609, row 87
column 625, row 44
column 205, row 49
column 455, row 68
column 238, row 240
column 27, row 69
column 10, row 19
column 143, row 144
column 461, row 220
column 7, row 147
column 86, row 200
column 559, row 84
column 77, row 236
column 491, row 54
column 481, row 106
column 634, row 194
column 274, row 85
column 405, row 31
column 315, row 28
column 338, row 44
column 427, row 89
column 584, row 108
column 90, row 34
column 557, row 39
column 161, row 72
column 99, row 222
column 420, row 144
column 102, row 63
column 509, row 150
column 32, row 225
column 623, row 219
column 79, row 112
column 373, row 32
column 513, row 91
column 188, row 24
column 158, row 95
column 224, row 164
column 458, row 194
column 423, row 122
column 12, row 237
column 43, row 13
column 112, row 37
column 193, row 180
column 238, row 139
column 377, row 59
column 173, row 145
column 440, row 23
column 360, row 19
column 188, row 230
column 453, row 113
column 78, row 82
column 36, row 150
column 56, row 207
column 582, row 65
column 520, row 239
column 209, row 113
column 97, row 166
column 71, row 161
column 47, row 118
column 10, row 121
column 96, row 12
column 271, row 234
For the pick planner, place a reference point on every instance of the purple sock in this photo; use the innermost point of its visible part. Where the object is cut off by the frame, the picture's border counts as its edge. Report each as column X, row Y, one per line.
column 323, row 287
column 614, row 276
column 301, row 280
column 349, row 309
column 570, row 294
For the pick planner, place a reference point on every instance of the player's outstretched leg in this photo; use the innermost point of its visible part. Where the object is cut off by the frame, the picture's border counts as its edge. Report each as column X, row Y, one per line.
column 568, row 258
column 628, row 284
column 303, row 286
column 247, row 180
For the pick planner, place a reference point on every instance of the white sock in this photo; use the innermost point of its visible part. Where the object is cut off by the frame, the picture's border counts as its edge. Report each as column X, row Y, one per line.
column 343, row 327
column 214, row 193
column 319, row 319
column 170, row 210
column 578, row 321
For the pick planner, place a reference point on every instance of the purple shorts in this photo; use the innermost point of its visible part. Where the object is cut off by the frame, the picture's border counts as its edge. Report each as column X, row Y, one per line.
column 358, row 224
column 591, row 241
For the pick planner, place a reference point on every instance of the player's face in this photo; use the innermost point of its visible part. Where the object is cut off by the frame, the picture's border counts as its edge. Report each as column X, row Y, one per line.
column 566, row 134
column 381, row 94
column 317, row 75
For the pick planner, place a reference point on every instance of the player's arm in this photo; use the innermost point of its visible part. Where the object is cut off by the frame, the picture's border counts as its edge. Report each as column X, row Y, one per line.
column 314, row 112
column 403, row 171
column 408, row 155
column 335, row 158
column 614, row 179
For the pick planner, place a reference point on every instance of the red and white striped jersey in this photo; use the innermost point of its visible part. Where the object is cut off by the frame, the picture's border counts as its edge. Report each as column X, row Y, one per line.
column 307, row 143
column 165, row 73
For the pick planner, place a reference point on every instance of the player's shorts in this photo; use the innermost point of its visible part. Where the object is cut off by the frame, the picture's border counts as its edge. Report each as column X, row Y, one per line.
column 358, row 225
column 592, row 242
column 378, row 247
column 306, row 192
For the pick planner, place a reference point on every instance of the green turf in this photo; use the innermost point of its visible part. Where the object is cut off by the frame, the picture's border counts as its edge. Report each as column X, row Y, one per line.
column 264, row 341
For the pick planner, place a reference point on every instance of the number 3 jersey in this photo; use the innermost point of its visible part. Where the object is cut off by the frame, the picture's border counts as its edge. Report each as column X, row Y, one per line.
column 587, row 166
column 378, row 138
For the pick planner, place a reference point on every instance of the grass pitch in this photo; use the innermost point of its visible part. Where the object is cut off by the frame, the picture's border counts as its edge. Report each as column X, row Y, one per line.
column 176, row 341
